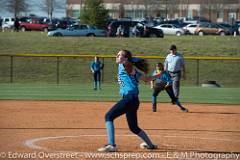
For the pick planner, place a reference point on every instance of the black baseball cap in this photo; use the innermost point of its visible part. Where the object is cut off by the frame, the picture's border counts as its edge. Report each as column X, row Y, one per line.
column 173, row 47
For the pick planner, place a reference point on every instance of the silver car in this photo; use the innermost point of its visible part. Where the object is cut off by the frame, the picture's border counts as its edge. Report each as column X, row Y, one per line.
column 79, row 30
column 190, row 28
column 170, row 29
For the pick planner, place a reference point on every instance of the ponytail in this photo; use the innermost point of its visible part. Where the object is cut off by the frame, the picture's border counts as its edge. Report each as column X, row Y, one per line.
column 139, row 63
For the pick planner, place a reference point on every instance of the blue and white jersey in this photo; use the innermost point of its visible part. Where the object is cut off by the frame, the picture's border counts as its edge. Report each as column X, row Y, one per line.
column 165, row 77
column 128, row 83
column 96, row 66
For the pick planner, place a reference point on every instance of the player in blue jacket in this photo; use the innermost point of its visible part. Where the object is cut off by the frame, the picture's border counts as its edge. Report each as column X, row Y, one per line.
column 163, row 83
column 96, row 67
column 129, row 73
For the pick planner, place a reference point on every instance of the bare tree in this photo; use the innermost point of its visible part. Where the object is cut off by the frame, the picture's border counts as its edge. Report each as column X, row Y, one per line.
column 121, row 11
column 50, row 6
column 170, row 7
column 183, row 8
column 152, row 7
column 173, row 8
column 160, row 8
column 16, row 6
column 238, row 10
column 212, row 6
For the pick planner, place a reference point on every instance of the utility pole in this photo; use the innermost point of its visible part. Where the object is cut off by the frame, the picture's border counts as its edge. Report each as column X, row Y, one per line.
column 187, row 9
column 166, row 9
column 81, row 6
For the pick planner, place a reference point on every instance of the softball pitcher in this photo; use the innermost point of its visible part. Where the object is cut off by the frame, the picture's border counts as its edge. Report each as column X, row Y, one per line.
column 128, row 77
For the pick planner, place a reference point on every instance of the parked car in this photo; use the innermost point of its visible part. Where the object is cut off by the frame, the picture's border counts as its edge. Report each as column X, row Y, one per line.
column 7, row 23
column 57, row 23
column 237, row 25
column 170, row 29
column 34, row 24
column 1, row 22
column 229, row 28
column 24, row 19
column 209, row 28
column 79, row 30
column 190, row 28
column 128, row 25
column 175, row 22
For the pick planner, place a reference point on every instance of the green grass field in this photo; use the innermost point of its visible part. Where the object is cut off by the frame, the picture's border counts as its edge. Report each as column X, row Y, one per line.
column 35, row 78
column 110, row 93
column 38, row 42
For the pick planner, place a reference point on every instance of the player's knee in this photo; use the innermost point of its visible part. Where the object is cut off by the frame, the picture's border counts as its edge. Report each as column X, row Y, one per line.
column 154, row 94
column 134, row 129
column 108, row 117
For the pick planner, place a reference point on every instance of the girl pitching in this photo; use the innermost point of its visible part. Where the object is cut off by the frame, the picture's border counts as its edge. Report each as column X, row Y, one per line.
column 128, row 78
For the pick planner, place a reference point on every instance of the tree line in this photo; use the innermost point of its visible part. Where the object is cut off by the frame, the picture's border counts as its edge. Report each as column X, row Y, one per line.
column 93, row 13
column 17, row 7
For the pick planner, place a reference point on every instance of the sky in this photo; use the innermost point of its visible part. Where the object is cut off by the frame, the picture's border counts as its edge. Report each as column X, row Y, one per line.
column 35, row 9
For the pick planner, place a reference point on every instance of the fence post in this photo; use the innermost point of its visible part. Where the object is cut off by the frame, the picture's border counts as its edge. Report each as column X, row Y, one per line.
column 197, row 71
column 102, row 78
column 58, row 70
column 11, row 70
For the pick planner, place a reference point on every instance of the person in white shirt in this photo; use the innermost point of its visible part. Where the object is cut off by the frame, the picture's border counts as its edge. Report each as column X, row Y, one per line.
column 175, row 65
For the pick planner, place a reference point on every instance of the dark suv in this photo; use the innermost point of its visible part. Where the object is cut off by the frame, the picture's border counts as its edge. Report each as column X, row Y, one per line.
column 144, row 31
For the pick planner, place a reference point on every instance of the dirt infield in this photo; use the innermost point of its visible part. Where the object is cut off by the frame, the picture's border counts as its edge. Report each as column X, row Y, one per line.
column 59, row 129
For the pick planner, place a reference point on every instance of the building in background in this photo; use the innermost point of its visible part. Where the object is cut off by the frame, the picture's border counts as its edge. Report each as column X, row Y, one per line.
column 214, row 10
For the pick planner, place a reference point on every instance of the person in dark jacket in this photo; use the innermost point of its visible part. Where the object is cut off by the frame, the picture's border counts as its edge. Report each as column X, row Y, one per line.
column 96, row 67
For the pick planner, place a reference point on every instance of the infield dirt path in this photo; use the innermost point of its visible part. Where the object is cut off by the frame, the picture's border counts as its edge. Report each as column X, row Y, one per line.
column 73, row 126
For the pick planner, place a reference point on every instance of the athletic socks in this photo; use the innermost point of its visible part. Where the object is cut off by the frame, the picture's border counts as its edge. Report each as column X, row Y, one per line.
column 154, row 100
column 99, row 84
column 178, row 104
column 154, row 104
column 110, row 133
column 95, row 85
column 145, row 138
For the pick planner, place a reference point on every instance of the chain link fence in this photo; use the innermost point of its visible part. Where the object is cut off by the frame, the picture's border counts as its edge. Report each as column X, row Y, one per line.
column 70, row 69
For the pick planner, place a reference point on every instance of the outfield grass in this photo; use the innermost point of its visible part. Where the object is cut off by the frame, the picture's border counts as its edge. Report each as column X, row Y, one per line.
column 35, row 78
column 38, row 42
column 77, row 70
column 110, row 93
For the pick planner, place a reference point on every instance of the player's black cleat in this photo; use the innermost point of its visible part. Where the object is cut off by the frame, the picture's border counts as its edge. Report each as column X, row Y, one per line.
column 184, row 110
column 154, row 108
column 145, row 146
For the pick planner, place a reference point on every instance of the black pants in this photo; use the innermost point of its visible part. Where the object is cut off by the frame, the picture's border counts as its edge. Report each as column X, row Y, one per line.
column 128, row 105
column 169, row 91
column 97, row 76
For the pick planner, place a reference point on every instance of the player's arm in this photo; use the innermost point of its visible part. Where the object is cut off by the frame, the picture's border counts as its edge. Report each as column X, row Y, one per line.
column 150, row 78
column 131, row 70
column 151, row 84
column 92, row 67
column 165, row 65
